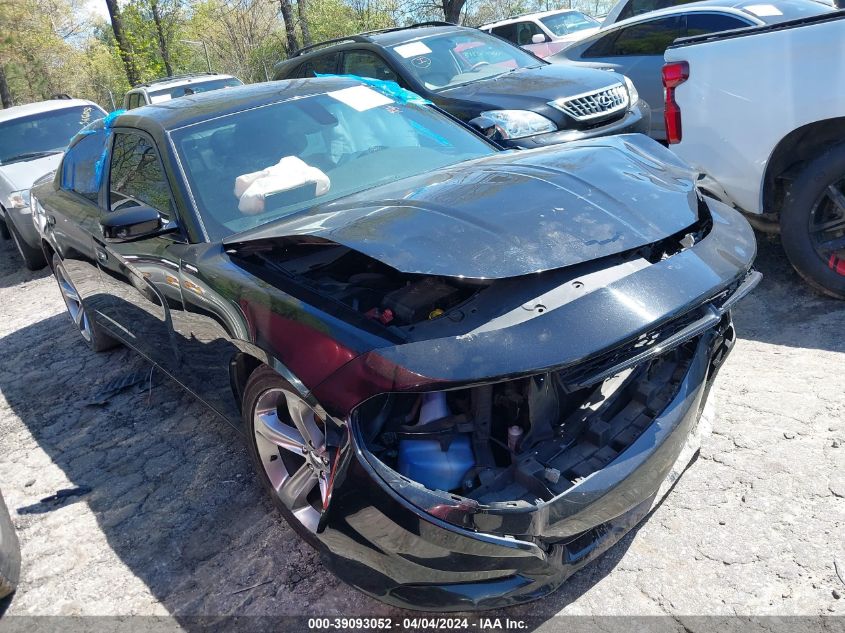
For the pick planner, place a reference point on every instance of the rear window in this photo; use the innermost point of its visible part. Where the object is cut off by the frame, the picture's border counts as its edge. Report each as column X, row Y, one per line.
column 570, row 22
column 637, row 7
column 704, row 23
column 646, row 38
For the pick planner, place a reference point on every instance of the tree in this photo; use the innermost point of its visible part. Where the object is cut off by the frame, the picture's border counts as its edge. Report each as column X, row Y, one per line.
column 5, row 94
column 302, row 8
column 163, row 45
column 122, row 43
column 287, row 15
column 452, row 10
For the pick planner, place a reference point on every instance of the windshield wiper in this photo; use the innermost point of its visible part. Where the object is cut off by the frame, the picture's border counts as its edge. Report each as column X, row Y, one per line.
column 31, row 155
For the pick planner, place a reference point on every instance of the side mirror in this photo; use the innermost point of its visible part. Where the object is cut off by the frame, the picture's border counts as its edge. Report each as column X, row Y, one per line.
column 488, row 127
column 538, row 38
column 132, row 223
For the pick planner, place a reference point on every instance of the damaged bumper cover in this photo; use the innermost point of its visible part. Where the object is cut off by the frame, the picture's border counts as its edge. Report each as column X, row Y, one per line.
column 421, row 548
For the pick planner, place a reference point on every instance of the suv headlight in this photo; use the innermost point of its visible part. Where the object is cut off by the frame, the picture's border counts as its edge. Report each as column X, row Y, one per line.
column 18, row 200
column 633, row 95
column 519, row 123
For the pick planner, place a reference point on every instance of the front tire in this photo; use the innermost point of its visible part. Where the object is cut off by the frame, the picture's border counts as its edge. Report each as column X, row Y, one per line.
column 91, row 332
column 812, row 222
column 33, row 258
column 287, row 446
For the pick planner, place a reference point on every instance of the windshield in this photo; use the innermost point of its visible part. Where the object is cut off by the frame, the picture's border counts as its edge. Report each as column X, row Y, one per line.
column 565, row 23
column 37, row 135
column 165, row 94
column 254, row 166
column 453, row 59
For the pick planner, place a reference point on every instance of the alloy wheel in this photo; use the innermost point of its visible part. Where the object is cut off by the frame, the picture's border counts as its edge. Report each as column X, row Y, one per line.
column 292, row 445
column 74, row 304
column 827, row 225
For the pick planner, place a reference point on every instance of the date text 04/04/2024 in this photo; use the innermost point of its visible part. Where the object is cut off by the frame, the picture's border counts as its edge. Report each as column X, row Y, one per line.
column 418, row 623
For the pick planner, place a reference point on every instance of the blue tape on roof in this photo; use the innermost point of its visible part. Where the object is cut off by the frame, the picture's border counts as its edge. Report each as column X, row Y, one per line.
column 387, row 88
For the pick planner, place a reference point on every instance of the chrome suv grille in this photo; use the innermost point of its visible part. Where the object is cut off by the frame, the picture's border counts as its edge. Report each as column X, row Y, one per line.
column 595, row 104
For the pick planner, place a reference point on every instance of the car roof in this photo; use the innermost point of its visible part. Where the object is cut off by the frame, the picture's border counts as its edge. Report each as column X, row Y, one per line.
column 38, row 107
column 735, row 6
column 392, row 37
column 178, row 113
column 527, row 16
column 175, row 82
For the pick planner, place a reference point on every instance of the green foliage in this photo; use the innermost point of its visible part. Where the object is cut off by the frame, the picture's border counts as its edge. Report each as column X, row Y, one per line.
column 57, row 47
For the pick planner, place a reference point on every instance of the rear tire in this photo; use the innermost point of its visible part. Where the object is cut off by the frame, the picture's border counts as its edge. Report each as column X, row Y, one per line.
column 816, row 198
column 10, row 553
column 33, row 258
column 91, row 332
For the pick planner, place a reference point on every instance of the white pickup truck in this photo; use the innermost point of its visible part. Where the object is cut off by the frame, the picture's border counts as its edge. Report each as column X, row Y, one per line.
column 761, row 113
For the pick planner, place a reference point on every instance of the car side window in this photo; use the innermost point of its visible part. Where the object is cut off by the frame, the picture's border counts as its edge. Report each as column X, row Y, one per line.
column 323, row 65
column 136, row 176
column 367, row 64
column 704, row 23
column 508, row 32
column 647, row 38
column 525, row 31
column 79, row 167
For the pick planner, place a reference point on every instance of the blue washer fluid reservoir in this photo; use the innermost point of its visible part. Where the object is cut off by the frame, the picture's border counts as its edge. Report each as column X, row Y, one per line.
column 426, row 462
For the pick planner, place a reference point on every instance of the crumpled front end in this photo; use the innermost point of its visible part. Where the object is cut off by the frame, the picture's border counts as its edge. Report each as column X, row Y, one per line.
column 487, row 467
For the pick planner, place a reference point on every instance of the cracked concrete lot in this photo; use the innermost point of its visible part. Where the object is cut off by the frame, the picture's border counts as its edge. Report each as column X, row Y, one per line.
column 175, row 522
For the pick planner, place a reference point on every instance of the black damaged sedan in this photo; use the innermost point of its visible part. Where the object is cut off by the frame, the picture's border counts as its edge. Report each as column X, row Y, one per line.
column 462, row 373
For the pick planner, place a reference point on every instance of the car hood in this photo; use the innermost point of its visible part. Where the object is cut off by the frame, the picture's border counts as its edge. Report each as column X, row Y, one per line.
column 511, row 214
column 530, row 88
column 22, row 174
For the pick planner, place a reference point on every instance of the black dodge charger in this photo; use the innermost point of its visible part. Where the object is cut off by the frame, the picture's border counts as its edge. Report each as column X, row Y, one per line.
column 462, row 372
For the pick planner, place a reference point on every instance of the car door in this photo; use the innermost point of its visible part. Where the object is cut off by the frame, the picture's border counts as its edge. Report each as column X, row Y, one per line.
column 637, row 51
column 71, row 215
column 141, row 277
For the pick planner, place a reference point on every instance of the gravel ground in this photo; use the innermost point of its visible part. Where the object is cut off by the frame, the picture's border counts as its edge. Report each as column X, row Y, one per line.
column 176, row 524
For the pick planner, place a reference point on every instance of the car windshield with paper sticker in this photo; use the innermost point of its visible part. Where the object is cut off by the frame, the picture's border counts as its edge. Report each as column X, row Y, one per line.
column 460, row 57
column 257, row 165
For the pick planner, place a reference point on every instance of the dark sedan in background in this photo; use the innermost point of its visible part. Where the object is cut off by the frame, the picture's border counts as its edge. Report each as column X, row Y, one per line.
column 516, row 98
column 461, row 373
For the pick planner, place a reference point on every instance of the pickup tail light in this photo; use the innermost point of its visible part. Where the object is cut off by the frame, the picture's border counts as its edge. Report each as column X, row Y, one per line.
column 674, row 74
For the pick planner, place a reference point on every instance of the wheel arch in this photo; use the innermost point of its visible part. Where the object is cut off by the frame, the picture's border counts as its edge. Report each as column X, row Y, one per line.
column 244, row 363
column 792, row 152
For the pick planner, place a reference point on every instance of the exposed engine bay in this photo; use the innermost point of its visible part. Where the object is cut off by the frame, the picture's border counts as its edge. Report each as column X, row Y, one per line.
column 528, row 439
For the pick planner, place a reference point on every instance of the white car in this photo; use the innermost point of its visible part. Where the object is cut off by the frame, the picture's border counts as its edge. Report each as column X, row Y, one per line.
column 168, row 88
column 760, row 113
column 33, row 138
column 544, row 33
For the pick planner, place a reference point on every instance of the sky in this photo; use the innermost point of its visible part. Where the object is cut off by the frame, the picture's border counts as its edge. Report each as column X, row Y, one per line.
column 96, row 7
